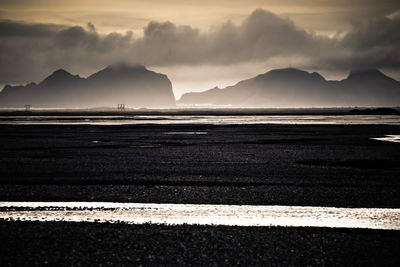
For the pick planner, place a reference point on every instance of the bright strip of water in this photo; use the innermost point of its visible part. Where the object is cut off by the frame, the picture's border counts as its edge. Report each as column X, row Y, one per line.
column 198, row 214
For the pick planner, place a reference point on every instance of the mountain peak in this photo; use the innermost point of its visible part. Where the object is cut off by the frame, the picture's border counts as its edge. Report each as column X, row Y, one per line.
column 116, row 71
column 291, row 69
column 365, row 73
column 291, row 73
column 287, row 71
column 58, row 77
column 61, row 72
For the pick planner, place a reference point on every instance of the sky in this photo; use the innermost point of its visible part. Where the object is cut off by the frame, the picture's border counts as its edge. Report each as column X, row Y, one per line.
column 198, row 44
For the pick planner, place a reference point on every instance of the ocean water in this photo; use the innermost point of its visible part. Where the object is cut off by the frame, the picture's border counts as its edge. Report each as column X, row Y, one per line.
column 217, row 120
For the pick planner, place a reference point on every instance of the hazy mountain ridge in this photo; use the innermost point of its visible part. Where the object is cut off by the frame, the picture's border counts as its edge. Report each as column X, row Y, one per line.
column 297, row 88
column 134, row 86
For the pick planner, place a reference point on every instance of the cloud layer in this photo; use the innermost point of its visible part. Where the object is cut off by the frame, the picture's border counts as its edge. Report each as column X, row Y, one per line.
column 30, row 51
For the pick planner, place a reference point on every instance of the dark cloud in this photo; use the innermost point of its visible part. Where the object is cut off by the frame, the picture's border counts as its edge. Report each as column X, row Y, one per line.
column 370, row 44
column 262, row 35
column 30, row 51
column 14, row 29
column 379, row 32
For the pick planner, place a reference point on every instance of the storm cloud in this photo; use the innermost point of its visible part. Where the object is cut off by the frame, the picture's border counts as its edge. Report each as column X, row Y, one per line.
column 28, row 52
column 370, row 44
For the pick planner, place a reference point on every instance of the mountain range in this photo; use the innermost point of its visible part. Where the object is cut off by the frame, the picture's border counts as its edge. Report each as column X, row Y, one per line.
column 297, row 88
column 134, row 86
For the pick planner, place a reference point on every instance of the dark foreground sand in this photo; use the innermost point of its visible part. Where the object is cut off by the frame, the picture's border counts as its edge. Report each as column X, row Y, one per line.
column 79, row 244
column 323, row 165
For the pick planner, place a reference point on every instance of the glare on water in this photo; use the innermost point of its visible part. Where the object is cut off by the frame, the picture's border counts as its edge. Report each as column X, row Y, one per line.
column 176, row 214
column 389, row 138
column 175, row 119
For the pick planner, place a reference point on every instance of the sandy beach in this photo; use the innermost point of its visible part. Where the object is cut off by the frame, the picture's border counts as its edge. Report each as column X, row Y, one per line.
column 260, row 164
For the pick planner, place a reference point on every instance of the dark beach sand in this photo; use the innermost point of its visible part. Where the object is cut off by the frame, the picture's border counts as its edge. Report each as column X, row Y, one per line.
column 321, row 165
column 80, row 244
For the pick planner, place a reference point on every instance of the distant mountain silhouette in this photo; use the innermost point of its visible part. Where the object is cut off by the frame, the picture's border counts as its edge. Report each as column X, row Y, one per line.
column 296, row 88
column 134, row 86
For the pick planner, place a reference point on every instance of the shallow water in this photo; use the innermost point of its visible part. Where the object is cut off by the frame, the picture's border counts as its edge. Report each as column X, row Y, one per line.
column 219, row 120
column 198, row 214
column 185, row 133
column 389, row 138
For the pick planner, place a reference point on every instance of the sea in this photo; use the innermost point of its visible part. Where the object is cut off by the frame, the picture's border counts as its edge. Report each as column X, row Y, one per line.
column 207, row 119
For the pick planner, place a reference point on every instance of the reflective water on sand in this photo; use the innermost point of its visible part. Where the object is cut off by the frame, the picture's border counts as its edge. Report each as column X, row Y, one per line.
column 389, row 138
column 185, row 133
column 178, row 214
column 219, row 120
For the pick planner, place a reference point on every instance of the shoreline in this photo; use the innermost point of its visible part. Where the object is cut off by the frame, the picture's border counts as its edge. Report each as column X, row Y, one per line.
column 205, row 111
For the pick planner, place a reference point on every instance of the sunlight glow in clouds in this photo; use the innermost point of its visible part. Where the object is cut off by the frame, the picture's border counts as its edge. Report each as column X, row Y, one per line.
column 199, row 45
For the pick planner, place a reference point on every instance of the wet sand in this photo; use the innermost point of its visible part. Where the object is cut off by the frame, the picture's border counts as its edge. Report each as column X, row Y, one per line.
column 305, row 165
column 318, row 165
column 80, row 244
